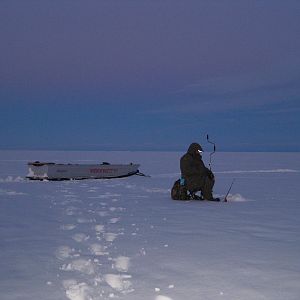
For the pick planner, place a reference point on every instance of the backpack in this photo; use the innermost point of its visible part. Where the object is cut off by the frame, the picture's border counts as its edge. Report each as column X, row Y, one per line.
column 179, row 192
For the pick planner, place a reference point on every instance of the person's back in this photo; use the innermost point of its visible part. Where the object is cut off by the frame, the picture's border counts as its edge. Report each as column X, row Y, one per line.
column 192, row 168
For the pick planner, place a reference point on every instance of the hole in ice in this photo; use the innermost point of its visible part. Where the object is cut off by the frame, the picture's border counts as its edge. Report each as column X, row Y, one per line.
column 236, row 198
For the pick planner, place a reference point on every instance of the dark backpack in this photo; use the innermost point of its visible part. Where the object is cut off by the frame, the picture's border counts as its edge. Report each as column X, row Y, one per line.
column 179, row 192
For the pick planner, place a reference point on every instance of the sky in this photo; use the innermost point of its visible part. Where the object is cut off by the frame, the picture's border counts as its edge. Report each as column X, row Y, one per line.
column 149, row 75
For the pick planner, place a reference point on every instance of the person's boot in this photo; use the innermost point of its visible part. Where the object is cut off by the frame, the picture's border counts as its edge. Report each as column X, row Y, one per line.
column 196, row 197
column 193, row 196
column 207, row 195
column 214, row 199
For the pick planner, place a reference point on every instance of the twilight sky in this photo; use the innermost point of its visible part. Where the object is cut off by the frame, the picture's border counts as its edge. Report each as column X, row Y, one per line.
column 149, row 75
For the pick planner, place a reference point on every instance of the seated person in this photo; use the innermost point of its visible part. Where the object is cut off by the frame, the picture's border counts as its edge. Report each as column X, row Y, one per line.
column 196, row 176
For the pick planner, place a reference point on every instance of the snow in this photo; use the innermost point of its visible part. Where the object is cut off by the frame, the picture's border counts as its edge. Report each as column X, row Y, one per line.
column 126, row 239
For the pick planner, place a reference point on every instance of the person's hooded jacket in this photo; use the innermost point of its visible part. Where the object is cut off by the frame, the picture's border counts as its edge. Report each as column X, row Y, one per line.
column 193, row 169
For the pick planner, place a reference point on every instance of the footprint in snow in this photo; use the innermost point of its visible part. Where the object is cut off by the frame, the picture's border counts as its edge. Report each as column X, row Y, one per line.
column 98, row 250
column 85, row 266
column 80, row 237
column 114, row 220
column 120, row 283
column 67, row 227
column 77, row 291
column 99, row 228
column 64, row 252
column 71, row 211
column 102, row 213
column 110, row 237
column 112, row 209
column 85, row 220
column 70, row 196
column 122, row 263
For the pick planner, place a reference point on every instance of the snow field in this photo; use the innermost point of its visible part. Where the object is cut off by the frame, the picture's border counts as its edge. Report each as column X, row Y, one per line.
column 92, row 254
column 126, row 239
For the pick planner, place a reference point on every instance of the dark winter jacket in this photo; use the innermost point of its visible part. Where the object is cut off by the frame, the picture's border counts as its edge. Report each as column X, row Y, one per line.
column 193, row 169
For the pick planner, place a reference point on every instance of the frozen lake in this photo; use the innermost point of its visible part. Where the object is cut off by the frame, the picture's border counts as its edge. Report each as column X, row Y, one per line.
column 126, row 239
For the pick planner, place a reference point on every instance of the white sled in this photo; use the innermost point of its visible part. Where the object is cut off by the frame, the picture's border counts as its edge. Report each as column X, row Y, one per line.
column 53, row 171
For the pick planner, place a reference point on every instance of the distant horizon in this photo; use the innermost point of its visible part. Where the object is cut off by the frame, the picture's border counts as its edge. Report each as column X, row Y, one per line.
column 144, row 150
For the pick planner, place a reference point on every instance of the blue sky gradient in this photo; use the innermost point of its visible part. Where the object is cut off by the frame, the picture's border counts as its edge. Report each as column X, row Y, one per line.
column 149, row 75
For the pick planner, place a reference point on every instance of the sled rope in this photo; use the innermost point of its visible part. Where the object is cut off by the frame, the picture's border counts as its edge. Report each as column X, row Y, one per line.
column 141, row 174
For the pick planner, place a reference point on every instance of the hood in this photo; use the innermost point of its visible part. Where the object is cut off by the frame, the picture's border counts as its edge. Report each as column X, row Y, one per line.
column 193, row 148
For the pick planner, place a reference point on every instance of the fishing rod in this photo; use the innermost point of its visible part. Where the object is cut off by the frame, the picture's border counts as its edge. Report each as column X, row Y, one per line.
column 225, row 199
column 212, row 153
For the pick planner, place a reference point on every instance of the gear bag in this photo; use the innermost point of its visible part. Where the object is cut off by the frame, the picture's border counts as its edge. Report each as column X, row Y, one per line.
column 179, row 191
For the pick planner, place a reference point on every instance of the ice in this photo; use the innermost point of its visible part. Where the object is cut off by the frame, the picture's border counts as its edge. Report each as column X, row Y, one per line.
column 126, row 239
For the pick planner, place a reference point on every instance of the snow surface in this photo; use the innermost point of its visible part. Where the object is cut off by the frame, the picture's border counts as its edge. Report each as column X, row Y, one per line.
column 126, row 239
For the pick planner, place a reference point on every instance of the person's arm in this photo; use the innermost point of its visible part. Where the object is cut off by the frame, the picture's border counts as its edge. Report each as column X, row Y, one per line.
column 187, row 166
column 209, row 173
